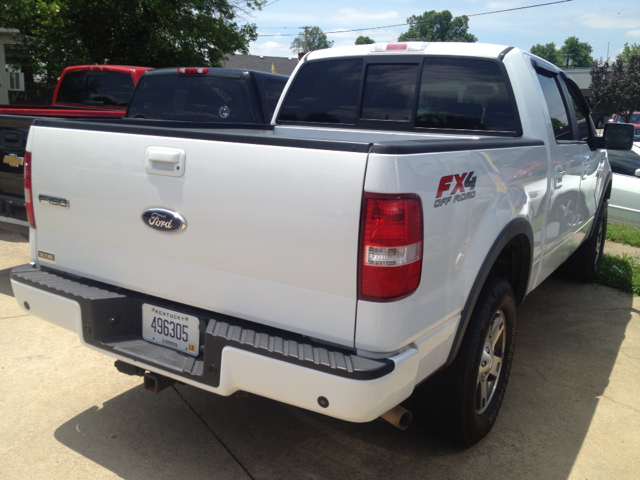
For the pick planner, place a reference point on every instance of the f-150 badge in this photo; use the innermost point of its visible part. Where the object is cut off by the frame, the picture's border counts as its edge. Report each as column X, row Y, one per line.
column 164, row 220
column 13, row 160
column 455, row 188
column 54, row 201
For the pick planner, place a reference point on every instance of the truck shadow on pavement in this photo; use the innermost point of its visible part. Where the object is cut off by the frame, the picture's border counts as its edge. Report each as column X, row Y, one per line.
column 14, row 246
column 5, row 282
column 569, row 337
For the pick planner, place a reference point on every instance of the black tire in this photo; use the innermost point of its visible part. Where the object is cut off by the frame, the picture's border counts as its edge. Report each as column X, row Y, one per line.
column 453, row 403
column 584, row 263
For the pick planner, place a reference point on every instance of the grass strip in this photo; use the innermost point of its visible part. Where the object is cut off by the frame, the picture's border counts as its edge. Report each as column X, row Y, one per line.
column 621, row 272
column 623, row 234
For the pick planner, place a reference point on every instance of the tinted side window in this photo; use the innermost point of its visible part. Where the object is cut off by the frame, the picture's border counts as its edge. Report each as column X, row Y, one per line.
column 72, row 87
column 272, row 91
column 557, row 109
column 389, row 91
column 583, row 127
column 324, row 92
column 464, row 94
column 195, row 98
column 625, row 162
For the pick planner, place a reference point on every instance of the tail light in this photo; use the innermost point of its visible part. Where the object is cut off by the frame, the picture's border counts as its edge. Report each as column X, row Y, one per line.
column 27, row 190
column 192, row 70
column 390, row 254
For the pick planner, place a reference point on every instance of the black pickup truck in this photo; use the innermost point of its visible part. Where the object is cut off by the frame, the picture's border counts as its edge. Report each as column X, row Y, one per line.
column 202, row 95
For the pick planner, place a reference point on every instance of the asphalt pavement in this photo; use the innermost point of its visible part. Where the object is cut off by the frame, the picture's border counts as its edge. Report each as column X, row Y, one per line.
column 571, row 410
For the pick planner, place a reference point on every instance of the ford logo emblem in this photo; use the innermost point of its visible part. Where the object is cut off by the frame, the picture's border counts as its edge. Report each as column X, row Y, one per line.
column 164, row 220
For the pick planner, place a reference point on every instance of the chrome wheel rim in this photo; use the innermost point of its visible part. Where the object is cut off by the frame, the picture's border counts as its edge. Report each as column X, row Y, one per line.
column 491, row 361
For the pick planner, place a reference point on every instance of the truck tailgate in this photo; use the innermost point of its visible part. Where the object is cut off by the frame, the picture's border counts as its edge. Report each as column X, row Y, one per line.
column 271, row 231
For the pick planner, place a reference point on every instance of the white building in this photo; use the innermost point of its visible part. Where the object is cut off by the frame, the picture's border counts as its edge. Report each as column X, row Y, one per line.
column 6, row 37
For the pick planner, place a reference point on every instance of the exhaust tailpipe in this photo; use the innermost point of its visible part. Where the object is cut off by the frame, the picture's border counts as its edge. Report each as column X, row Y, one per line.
column 398, row 417
column 155, row 383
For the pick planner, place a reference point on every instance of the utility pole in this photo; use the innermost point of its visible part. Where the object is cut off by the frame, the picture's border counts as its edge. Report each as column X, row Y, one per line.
column 306, row 33
column 306, row 42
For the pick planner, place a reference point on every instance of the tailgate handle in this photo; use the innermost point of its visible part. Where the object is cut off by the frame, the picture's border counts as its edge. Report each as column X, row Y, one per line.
column 12, row 139
column 165, row 161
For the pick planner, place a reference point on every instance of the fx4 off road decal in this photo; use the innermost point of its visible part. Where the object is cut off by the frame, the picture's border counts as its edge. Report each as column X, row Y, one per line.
column 455, row 188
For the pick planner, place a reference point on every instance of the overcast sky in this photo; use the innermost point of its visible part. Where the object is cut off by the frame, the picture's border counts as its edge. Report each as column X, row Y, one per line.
column 597, row 22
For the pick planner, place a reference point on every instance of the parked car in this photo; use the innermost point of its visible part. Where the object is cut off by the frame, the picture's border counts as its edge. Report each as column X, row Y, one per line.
column 106, row 89
column 635, row 120
column 624, row 205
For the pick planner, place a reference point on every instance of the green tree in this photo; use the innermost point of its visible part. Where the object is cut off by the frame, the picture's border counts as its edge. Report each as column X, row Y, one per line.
column 362, row 40
column 316, row 40
column 628, row 51
column 576, row 53
column 435, row 26
column 549, row 52
column 155, row 33
column 615, row 86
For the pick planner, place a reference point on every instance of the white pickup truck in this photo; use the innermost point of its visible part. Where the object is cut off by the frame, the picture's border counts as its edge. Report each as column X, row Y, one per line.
column 375, row 237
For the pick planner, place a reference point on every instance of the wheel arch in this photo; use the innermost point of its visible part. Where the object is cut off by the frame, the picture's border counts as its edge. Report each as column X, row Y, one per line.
column 510, row 257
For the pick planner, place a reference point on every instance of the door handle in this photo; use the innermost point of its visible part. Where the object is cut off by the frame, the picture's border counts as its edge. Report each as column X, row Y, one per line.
column 165, row 161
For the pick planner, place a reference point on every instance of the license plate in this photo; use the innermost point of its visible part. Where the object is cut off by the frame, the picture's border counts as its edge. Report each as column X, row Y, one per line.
column 171, row 329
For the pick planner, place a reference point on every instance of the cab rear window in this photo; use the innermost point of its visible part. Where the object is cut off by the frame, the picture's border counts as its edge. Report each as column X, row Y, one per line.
column 389, row 91
column 194, row 98
column 324, row 92
column 464, row 94
column 96, row 88
column 409, row 93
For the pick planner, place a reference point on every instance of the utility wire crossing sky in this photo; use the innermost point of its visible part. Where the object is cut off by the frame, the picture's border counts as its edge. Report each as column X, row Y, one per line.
column 606, row 26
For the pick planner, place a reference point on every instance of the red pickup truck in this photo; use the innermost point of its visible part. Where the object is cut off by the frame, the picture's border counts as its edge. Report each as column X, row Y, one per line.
column 104, row 90
column 86, row 91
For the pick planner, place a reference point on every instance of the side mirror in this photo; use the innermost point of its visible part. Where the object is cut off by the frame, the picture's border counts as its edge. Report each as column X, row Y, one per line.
column 617, row 136
column 638, row 172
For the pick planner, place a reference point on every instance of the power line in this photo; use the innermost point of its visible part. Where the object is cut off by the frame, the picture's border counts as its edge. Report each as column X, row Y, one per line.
column 518, row 8
column 405, row 24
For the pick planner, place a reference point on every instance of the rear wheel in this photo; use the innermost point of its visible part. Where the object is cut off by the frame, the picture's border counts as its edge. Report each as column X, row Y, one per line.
column 462, row 402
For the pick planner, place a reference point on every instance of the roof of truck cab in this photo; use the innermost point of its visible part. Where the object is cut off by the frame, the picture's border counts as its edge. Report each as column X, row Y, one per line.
column 215, row 71
column 431, row 48
column 106, row 68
